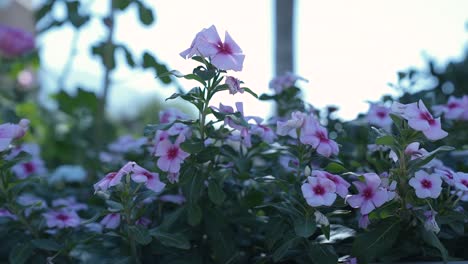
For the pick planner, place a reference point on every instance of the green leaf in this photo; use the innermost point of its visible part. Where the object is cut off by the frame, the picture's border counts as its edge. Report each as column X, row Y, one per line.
column 376, row 242
column 216, row 193
column 326, row 231
column 322, row 254
column 145, row 14
column 194, row 185
column 46, row 244
column 149, row 61
column 114, row 206
column 176, row 240
column 385, row 140
column 128, row 56
column 195, row 77
column 334, row 167
column 204, row 73
column 281, row 251
column 150, row 130
column 121, row 4
column 192, row 146
column 171, row 218
column 250, row 92
column 194, row 214
column 20, row 253
column 141, row 234
column 173, row 96
column 430, row 238
column 305, row 226
column 418, row 163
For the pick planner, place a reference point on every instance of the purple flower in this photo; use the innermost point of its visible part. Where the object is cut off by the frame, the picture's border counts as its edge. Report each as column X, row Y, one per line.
column 285, row 160
column 10, row 132
column 341, row 185
column 170, row 115
column 225, row 55
column 62, row 219
column 111, row 221
column 69, row 203
column 143, row 221
column 31, row 203
column 6, row 213
column 364, row 221
column 290, row 126
column 171, row 155
column 284, row 81
column 317, row 136
column 173, row 198
column 447, row 175
column 420, row 119
column 379, row 116
column 15, row 42
column 111, row 179
column 234, row 85
column 127, row 143
column 430, row 223
column 150, row 179
column 173, row 177
column 461, row 181
column 370, row 195
column 319, row 191
column 455, row 109
column 265, row 132
column 426, row 185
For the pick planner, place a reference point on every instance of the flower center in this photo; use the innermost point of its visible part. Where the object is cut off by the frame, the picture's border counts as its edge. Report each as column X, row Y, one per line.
column 426, row 116
column 453, row 105
column 224, row 48
column 367, row 193
column 464, row 182
column 318, row 190
column 111, row 175
column 426, row 184
column 148, row 175
column 322, row 137
column 62, row 217
column 381, row 114
column 28, row 167
column 172, row 152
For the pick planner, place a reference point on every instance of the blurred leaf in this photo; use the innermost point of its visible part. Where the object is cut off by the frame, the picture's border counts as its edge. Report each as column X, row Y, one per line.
column 216, row 193
column 128, row 56
column 114, row 206
column 20, row 253
column 149, row 61
column 385, row 140
column 192, row 146
column 430, row 238
column 194, row 214
column 283, row 249
column 176, row 240
column 20, row 158
column 121, row 4
column 322, row 254
column 250, row 92
column 46, row 244
column 145, row 14
column 141, row 234
column 305, row 226
column 334, row 167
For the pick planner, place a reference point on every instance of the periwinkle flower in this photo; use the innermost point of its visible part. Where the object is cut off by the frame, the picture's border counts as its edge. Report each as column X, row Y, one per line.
column 62, row 219
column 426, row 185
column 111, row 221
column 370, row 194
column 234, row 85
column 10, row 132
column 171, row 155
column 379, row 115
column 341, row 185
column 15, row 41
column 319, row 191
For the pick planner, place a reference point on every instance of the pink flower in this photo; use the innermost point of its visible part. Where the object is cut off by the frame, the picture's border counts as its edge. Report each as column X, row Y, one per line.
column 225, row 55
column 126, row 144
column 290, row 126
column 69, row 203
column 225, row 109
column 284, row 81
column 111, row 221
column 6, row 213
column 461, row 181
column 15, row 42
column 10, row 132
column 173, row 177
column 31, row 203
column 370, row 195
column 286, row 160
column 317, row 136
column 234, row 85
column 341, row 185
column 171, row 155
column 379, row 116
column 243, row 137
column 426, row 185
column 150, row 179
column 161, row 135
column 170, row 115
column 319, row 191
column 143, row 221
column 111, row 179
column 364, row 221
column 62, row 219
column 173, row 198
column 420, row 119
column 265, row 132
column 179, row 129
column 447, row 175
column 430, row 223
column 455, row 109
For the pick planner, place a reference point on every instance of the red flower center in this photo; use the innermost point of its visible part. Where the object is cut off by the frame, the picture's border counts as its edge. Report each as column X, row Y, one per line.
column 224, row 48
column 426, row 116
column 111, row 175
column 426, row 184
column 318, row 189
column 322, row 137
column 367, row 193
column 381, row 114
column 464, row 182
column 28, row 167
column 173, row 152
column 148, row 175
column 453, row 105
column 62, row 217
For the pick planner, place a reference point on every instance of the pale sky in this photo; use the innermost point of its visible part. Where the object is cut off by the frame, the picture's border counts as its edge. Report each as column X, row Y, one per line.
column 348, row 50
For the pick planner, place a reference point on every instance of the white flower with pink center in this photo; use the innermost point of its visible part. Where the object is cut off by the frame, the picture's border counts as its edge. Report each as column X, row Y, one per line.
column 370, row 195
column 319, row 191
column 290, row 126
column 171, row 155
column 314, row 134
column 111, row 179
column 461, row 181
column 426, row 185
column 379, row 115
column 341, row 185
column 447, row 175
column 150, row 179
column 420, row 119
column 454, row 109
column 62, row 219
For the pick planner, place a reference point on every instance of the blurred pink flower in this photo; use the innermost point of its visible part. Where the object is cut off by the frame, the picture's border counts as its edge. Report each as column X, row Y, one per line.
column 379, row 115
column 111, row 179
column 10, row 132
column 143, row 221
column 69, row 203
column 111, row 221
column 455, row 109
column 370, row 195
column 290, row 126
column 62, row 219
column 461, row 181
column 234, row 85
column 314, row 134
column 364, row 221
column 426, row 185
column 6, row 213
column 150, row 179
column 284, row 81
column 170, row 115
column 127, row 143
column 319, row 191
column 15, row 41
